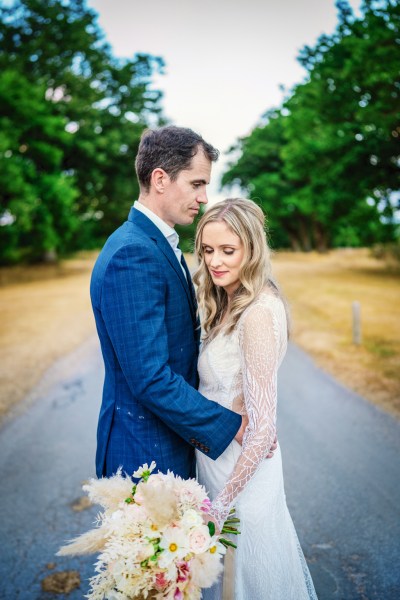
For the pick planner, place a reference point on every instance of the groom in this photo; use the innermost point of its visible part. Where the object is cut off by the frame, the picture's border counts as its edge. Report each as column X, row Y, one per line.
column 145, row 311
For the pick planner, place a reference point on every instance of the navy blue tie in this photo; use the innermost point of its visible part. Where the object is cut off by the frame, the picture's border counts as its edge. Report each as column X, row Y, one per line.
column 189, row 280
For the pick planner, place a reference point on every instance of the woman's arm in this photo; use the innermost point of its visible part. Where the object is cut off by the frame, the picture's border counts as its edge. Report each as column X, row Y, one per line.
column 262, row 332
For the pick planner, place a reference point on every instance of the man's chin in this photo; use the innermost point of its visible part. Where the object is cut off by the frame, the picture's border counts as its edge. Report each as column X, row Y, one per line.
column 188, row 220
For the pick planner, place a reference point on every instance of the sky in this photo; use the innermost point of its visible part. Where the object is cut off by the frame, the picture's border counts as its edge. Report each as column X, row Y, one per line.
column 226, row 60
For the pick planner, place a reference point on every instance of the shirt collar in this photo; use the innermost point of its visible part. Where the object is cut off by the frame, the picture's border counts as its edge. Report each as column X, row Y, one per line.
column 166, row 230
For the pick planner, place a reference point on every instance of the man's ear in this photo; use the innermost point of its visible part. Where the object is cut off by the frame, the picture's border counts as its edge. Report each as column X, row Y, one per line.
column 158, row 179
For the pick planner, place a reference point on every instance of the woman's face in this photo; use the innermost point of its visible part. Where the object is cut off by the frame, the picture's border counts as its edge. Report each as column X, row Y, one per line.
column 223, row 255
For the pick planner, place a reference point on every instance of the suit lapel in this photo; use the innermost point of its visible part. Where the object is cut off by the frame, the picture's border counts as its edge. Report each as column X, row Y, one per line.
column 155, row 234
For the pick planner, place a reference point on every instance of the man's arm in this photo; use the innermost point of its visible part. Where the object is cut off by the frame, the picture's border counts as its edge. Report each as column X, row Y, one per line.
column 133, row 309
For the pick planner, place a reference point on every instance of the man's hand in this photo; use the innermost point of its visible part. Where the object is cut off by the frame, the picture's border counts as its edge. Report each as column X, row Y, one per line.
column 273, row 447
column 240, row 433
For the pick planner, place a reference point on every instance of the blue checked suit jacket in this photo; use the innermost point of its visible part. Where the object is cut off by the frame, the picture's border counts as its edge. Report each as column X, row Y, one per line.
column 145, row 314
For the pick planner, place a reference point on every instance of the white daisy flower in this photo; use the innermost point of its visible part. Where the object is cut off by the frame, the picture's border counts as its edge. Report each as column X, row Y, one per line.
column 175, row 545
column 144, row 470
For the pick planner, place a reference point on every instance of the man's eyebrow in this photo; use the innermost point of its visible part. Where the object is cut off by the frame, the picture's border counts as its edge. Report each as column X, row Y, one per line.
column 199, row 181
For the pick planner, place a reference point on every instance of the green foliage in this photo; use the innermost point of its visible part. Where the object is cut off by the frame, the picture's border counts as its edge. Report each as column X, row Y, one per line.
column 71, row 120
column 325, row 166
column 33, row 187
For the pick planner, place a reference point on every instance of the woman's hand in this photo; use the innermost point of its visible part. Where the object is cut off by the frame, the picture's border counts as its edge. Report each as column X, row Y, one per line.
column 240, row 433
column 273, row 447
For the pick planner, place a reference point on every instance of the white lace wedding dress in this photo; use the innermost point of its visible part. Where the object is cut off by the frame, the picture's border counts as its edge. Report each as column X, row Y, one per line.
column 239, row 370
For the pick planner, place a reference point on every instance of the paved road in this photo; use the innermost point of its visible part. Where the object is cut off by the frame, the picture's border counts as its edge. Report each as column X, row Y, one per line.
column 341, row 462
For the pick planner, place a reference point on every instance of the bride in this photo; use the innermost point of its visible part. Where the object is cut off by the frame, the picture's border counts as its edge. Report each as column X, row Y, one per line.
column 245, row 340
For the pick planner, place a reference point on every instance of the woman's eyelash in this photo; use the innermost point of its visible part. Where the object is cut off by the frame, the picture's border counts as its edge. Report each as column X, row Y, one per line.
column 210, row 250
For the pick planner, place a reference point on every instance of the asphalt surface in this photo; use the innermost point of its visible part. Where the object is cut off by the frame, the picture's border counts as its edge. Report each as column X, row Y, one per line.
column 341, row 461
column 341, row 458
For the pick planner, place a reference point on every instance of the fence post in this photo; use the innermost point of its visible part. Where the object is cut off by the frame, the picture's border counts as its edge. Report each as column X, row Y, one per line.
column 356, row 310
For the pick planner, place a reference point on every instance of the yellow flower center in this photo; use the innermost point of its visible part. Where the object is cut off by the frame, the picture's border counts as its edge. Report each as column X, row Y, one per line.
column 173, row 547
column 213, row 550
column 154, row 527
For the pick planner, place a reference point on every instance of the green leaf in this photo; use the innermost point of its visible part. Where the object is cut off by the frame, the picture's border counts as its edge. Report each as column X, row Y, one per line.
column 230, row 531
column 211, row 528
column 227, row 543
column 232, row 520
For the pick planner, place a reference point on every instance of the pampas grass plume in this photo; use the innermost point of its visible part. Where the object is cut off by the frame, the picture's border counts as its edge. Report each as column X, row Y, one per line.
column 159, row 499
column 108, row 491
column 88, row 543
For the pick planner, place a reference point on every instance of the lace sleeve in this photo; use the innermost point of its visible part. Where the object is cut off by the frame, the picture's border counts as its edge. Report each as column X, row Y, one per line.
column 262, row 340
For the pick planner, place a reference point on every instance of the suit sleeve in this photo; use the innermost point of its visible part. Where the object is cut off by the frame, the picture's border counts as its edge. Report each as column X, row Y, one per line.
column 133, row 309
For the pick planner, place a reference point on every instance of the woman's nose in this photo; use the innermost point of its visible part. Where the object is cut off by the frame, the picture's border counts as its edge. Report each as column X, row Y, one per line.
column 216, row 259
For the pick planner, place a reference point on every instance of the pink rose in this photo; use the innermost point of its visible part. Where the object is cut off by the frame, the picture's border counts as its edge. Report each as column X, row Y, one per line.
column 178, row 594
column 199, row 539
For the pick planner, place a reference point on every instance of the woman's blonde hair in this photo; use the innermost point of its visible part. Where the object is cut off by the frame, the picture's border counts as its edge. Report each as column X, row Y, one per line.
column 246, row 219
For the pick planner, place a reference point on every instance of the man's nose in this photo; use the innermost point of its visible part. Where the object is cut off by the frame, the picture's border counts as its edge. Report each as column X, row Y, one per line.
column 202, row 197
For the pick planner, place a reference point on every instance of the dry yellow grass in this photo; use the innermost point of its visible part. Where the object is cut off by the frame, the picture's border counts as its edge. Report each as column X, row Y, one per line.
column 45, row 313
column 321, row 290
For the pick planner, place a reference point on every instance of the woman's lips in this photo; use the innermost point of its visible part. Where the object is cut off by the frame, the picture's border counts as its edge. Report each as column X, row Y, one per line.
column 218, row 273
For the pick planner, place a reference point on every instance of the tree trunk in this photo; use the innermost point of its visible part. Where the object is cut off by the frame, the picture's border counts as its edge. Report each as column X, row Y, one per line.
column 50, row 256
column 304, row 234
column 320, row 236
column 294, row 242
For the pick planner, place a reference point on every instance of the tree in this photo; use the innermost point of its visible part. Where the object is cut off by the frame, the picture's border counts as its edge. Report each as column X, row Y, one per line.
column 337, row 158
column 34, row 191
column 259, row 172
column 341, row 123
column 102, row 103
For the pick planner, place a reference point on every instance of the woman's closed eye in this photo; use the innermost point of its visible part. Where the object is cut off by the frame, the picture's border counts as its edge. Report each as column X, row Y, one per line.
column 227, row 251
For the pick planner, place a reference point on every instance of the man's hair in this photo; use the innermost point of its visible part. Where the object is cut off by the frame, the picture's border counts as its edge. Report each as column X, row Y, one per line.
column 171, row 149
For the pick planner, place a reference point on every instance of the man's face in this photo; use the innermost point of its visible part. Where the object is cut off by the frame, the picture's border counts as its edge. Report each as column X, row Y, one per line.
column 182, row 198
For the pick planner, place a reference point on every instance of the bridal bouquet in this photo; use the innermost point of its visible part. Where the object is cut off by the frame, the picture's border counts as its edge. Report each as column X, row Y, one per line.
column 152, row 538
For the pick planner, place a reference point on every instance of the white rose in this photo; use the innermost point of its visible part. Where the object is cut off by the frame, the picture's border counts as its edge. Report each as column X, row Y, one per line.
column 191, row 519
column 199, row 539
